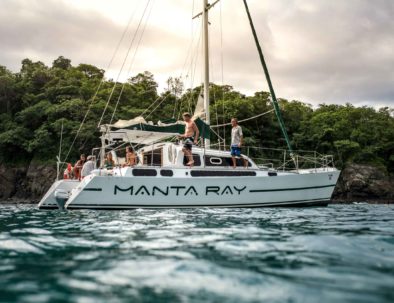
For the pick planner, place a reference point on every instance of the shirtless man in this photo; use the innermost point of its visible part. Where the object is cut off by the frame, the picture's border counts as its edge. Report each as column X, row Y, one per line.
column 191, row 136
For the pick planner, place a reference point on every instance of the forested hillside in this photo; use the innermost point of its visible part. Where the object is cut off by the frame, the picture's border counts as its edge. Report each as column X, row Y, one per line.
column 35, row 102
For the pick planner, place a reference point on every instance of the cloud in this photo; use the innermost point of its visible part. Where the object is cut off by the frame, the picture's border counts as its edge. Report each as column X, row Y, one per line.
column 317, row 51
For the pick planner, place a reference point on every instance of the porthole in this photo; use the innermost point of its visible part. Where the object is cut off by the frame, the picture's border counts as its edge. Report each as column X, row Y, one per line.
column 215, row 161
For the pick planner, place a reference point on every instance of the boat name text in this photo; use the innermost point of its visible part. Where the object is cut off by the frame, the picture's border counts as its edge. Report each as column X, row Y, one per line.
column 179, row 190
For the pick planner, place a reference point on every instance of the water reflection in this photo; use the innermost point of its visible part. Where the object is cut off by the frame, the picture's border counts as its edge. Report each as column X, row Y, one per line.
column 338, row 253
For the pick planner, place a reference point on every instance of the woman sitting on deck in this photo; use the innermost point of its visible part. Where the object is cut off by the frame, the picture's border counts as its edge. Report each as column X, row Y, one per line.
column 131, row 157
column 109, row 163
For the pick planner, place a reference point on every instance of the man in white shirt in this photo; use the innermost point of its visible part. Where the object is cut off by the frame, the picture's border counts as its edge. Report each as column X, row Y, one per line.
column 88, row 166
column 237, row 140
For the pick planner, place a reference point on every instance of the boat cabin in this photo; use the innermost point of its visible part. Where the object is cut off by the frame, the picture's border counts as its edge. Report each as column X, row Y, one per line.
column 171, row 155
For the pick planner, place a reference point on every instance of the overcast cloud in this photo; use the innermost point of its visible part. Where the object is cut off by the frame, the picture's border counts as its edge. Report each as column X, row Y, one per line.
column 330, row 51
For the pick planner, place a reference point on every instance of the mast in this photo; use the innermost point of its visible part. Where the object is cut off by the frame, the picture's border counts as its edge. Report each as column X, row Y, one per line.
column 206, row 65
column 267, row 76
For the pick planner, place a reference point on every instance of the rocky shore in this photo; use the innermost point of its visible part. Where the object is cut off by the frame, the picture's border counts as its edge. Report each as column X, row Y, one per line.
column 25, row 184
column 365, row 183
column 357, row 183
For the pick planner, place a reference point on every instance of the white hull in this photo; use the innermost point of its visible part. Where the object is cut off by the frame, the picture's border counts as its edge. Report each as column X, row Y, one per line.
column 49, row 200
column 184, row 191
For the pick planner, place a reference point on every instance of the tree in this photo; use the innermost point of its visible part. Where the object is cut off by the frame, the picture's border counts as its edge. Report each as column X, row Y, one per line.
column 62, row 63
column 38, row 100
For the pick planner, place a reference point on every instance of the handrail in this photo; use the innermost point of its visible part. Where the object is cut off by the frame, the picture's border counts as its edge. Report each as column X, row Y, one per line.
column 304, row 159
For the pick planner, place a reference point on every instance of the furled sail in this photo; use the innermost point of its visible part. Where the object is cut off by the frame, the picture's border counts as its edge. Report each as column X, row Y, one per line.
column 199, row 111
column 140, row 131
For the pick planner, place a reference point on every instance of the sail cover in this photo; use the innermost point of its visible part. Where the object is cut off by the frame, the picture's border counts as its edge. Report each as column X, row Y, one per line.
column 199, row 111
column 136, row 136
column 139, row 131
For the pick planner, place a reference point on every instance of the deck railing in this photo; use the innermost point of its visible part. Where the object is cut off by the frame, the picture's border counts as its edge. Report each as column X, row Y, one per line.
column 265, row 158
column 281, row 159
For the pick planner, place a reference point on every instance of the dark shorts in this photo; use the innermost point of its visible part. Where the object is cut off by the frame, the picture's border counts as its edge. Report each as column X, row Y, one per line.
column 188, row 143
column 235, row 151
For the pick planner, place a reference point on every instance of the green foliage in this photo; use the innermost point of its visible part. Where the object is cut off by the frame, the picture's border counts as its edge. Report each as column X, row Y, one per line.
column 37, row 101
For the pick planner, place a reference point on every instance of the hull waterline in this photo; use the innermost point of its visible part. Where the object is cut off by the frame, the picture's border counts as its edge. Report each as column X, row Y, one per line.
column 184, row 191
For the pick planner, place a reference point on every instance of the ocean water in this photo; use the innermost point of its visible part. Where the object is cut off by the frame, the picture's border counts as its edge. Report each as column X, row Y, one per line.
column 341, row 253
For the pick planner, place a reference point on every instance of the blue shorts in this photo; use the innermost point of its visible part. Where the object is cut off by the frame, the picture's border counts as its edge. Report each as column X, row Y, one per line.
column 235, row 151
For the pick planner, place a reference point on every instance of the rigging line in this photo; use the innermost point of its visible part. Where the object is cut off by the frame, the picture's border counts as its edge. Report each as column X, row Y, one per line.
column 100, row 84
column 132, row 61
column 190, row 48
column 153, row 110
column 175, row 104
column 193, row 71
column 189, row 52
column 152, row 104
column 123, row 63
column 157, row 99
column 217, row 134
column 222, row 72
column 61, row 141
column 211, row 69
column 123, row 35
column 251, row 118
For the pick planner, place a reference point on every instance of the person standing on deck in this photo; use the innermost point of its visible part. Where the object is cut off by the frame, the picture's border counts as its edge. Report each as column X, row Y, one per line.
column 237, row 140
column 78, row 166
column 88, row 166
column 191, row 136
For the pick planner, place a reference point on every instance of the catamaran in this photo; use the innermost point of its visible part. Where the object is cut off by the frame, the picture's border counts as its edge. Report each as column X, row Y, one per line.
column 161, row 179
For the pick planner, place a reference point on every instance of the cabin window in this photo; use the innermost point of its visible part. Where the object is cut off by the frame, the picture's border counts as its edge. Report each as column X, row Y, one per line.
column 153, row 157
column 166, row 173
column 138, row 172
column 222, row 173
column 196, row 159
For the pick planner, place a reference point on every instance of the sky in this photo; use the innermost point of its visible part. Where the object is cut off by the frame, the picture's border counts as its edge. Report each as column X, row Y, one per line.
column 317, row 51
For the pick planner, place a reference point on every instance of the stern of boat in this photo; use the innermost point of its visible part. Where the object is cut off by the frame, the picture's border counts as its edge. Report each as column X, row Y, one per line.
column 59, row 190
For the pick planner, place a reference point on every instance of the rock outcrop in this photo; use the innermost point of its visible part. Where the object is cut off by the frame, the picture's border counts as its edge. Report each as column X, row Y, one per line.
column 25, row 183
column 364, row 183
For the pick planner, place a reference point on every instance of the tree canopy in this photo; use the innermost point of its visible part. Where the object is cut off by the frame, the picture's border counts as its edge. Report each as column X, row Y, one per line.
column 36, row 101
